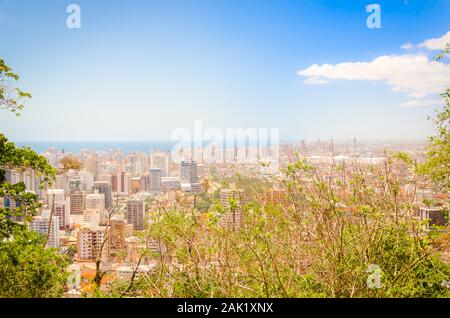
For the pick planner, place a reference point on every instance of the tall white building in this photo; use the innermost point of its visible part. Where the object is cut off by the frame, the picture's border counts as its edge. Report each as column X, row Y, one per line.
column 160, row 160
column 91, row 219
column 86, row 180
column 40, row 224
column 95, row 202
column 58, row 194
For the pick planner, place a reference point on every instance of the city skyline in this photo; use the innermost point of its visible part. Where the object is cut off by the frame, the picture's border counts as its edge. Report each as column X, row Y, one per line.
column 226, row 150
column 138, row 73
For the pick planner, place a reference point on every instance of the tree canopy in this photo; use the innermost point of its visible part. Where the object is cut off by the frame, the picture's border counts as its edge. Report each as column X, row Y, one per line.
column 11, row 97
column 27, row 267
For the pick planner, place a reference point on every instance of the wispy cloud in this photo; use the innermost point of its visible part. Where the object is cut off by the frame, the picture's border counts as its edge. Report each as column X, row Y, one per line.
column 313, row 80
column 436, row 43
column 433, row 44
column 422, row 103
column 407, row 46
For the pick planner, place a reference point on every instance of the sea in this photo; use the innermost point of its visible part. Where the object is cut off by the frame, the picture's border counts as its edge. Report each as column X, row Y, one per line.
column 76, row 146
column 125, row 146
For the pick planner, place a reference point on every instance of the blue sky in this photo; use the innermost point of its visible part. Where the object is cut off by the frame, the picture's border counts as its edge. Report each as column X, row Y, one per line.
column 136, row 70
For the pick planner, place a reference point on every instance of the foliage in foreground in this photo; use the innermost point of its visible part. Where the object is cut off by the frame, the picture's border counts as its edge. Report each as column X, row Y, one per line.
column 27, row 267
column 321, row 244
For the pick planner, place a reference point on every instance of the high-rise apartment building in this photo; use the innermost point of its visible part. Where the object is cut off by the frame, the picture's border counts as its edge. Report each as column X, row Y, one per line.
column 115, row 183
column 120, row 230
column 188, row 177
column 274, row 196
column 74, row 184
column 145, row 183
column 160, row 160
column 105, row 188
column 63, row 215
column 95, row 202
column 232, row 218
column 155, row 175
column 87, row 180
column 92, row 219
column 90, row 243
column 170, row 184
column 136, row 213
column 435, row 215
column 135, row 185
column 10, row 203
column 40, row 224
column 123, row 183
column 93, row 165
column 76, row 202
column 57, row 194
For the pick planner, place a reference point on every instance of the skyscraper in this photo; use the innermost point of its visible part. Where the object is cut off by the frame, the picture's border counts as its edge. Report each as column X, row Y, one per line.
column 155, row 175
column 160, row 160
column 40, row 224
column 58, row 194
column 74, row 184
column 115, row 183
column 95, row 202
column 233, row 218
column 119, row 231
column 76, row 202
column 145, row 183
column 62, row 213
column 90, row 243
column 124, row 183
column 105, row 188
column 188, row 176
column 136, row 213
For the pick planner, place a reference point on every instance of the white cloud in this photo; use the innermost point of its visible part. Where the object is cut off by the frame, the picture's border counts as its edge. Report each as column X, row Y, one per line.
column 436, row 43
column 415, row 75
column 422, row 103
column 407, row 46
column 315, row 81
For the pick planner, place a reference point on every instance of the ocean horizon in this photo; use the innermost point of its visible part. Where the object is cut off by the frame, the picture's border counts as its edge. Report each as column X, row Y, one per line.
column 145, row 146
column 76, row 146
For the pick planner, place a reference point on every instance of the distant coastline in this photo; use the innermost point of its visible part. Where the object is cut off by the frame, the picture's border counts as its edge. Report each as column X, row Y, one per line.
column 76, row 146
column 146, row 146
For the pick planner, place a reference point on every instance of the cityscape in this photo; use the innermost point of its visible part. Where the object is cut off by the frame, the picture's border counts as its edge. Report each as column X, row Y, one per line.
column 235, row 152
column 102, row 201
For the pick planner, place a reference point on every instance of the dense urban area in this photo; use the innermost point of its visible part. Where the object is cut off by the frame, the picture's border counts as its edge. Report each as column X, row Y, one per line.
column 104, row 210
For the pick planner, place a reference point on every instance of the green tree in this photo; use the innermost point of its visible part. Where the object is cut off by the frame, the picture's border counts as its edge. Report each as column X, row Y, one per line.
column 70, row 162
column 27, row 268
column 437, row 165
column 11, row 97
